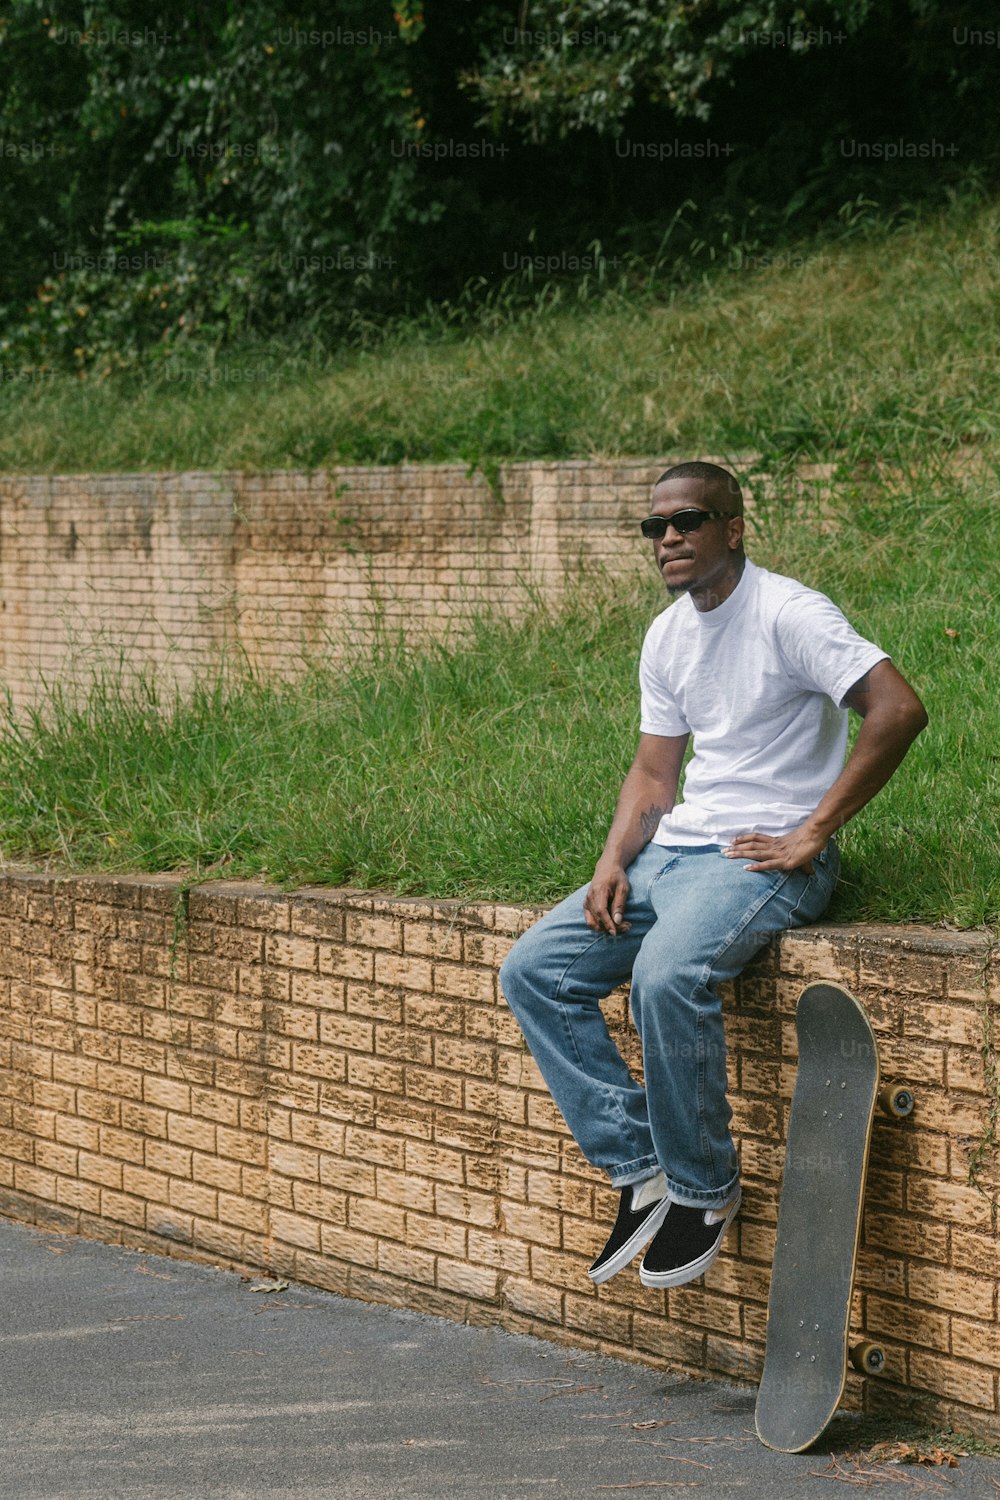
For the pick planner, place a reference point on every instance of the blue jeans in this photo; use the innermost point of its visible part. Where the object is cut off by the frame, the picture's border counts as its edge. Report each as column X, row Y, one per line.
column 697, row 919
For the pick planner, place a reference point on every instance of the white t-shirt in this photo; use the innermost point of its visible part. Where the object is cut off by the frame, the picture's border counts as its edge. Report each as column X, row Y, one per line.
column 759, row 682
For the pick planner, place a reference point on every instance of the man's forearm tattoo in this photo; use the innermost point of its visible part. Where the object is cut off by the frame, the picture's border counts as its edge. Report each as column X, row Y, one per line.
column 649, row 820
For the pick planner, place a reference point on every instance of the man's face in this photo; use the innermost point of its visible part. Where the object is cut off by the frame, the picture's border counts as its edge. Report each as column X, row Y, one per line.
column 696, row 561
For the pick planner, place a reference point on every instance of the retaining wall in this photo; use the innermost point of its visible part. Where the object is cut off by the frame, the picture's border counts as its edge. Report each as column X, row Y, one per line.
column 172, row 571
column 327, row 1085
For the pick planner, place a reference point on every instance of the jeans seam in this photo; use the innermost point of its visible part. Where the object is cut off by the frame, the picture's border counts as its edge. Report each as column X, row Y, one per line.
column 703, row 987
column 604, row 1088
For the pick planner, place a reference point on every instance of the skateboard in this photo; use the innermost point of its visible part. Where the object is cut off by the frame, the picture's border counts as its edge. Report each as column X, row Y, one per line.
column 819, row 1220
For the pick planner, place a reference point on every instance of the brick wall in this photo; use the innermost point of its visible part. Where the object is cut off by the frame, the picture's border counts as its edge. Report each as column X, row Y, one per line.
column 327, row 1085
column 172, row 571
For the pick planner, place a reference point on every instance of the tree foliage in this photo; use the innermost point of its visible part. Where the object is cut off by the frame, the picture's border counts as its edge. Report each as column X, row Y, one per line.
column 176, row 176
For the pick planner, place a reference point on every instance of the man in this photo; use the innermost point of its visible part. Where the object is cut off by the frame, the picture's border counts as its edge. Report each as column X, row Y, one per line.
column 760, row 671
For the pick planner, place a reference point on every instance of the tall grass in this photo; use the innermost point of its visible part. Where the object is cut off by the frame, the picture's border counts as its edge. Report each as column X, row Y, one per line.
column 865, row 344
column 490, row 769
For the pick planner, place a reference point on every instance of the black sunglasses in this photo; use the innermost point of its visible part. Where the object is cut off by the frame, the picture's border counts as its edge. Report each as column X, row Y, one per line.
column 655, row 527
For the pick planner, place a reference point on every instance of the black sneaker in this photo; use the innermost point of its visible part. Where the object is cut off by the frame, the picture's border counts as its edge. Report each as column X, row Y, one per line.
column 641, row 1212
column 687, row 1244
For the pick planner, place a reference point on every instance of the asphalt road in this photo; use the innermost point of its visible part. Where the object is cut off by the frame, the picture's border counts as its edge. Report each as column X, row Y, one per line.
column 127, row 1376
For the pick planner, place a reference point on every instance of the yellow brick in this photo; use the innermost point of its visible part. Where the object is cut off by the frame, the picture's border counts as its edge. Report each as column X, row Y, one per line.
column 465, row 1206
column 268, row 913
column 496, row 1102
column 326, row 1135
column 257, row 982
column 291, row 952
column 73, row 1070
column 152, row 1186
column 346, row 963
column 374, row 932
column 907, row 1235
column 168, row 1093
column 952, row 1378
column 434, row 1088
column 948, row 1202
column 434, row 1014
column 216, row 1172
column 437, row 1235
column 519, row 1070
column 403, row 1188
column 598, row 1318
column 681, row 1346
column 955, row 1290
column 376, row 1002
column 237, row 1210
column 966, row 1070
column 534, row 1300
column 31, row 1179
column 811, row 957
column 543, row 1114
column 188, row 1130
column 124, row 1144
column 934, row 1021
column 432, row 940
column 319, row 1202
column 85, row 1196
column 472, row 1058
column 124, row 1209
column 73, row 1132
column 973, row 1252
column 41, row 1123
column 408, row 1262
column 694, row 1305
column 487, row 1023
column 407, row 972
column 471, row 1281
column 463, row 983
column 346, row 1031
column 386, row 1220
column 347, row 1176
column 99, row 1169
column 530, row 1222
column 311, row 990
column 557, row 1269
column 426, row 1160
column 219, row 1239
column 347, row 1244
column 979, row 1342
column 372, row 1073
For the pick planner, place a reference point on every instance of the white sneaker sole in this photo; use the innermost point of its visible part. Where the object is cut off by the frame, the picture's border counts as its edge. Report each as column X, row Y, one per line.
column 680, row 1275
column 630, row 1249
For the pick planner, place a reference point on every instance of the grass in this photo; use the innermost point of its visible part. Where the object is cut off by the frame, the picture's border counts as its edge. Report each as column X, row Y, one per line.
column 490, row 769
column 869, row 343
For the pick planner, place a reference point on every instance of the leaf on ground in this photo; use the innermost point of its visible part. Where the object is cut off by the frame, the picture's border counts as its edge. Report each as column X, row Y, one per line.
column 912, row 1453
column 270, row 1286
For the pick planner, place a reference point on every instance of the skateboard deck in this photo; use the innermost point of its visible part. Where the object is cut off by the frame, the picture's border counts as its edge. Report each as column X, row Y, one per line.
column 819, row 1219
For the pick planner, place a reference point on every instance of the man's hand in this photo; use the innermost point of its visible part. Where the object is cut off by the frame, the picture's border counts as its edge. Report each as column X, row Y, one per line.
column 792, row 851
column 604, row 903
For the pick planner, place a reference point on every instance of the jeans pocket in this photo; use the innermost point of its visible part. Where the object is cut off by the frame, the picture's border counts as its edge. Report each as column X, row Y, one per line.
column 818, row 889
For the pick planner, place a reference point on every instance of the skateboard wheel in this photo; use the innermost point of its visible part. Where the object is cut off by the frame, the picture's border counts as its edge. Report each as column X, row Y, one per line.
column 867, row 1358
column 896, row 1099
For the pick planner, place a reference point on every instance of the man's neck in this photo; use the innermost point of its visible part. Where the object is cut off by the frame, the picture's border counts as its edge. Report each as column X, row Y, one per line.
column 711, row 595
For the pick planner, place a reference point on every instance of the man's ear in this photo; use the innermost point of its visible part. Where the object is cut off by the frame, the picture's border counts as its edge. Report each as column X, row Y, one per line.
column 735, row 528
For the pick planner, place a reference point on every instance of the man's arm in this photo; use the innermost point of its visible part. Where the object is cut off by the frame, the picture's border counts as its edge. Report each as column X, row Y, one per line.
column 893, row 717
column 648, row 791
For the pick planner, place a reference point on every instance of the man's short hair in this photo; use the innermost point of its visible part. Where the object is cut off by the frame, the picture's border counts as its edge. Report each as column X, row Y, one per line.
column 722, row 486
